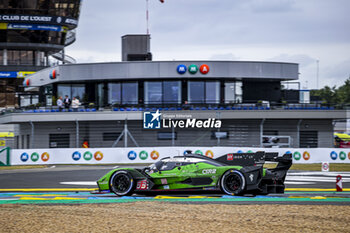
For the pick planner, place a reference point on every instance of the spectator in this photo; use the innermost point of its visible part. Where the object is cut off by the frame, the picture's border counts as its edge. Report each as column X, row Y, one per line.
column 67, row 102
column 60, row 103
column 75, row 104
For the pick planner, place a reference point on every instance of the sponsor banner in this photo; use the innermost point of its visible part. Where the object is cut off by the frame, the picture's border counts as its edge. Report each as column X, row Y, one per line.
column 153, row 154
column 14, row 74
column 39, row 19
column 41, row 27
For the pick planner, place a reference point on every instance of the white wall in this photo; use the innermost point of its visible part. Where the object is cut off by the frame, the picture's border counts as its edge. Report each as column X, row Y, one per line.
column 143, row 154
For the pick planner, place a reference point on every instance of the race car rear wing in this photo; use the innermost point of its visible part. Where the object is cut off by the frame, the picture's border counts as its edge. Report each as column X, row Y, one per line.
column 252, row 159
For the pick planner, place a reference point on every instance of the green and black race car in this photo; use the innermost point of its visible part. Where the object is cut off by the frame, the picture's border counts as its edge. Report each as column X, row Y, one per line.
column 232, row 174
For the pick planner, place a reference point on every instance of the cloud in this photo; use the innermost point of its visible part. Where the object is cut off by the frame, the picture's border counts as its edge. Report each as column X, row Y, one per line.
column 280, row 30
column 272, row 6
column 224, row 57
column 302, row 59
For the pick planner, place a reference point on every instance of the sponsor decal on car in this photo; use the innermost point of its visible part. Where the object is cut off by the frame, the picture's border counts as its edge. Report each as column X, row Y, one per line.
column 209, row 171
column 166, row 186
column 142, row 185
column 251, row 177
column 229, row 156
column 164, row 181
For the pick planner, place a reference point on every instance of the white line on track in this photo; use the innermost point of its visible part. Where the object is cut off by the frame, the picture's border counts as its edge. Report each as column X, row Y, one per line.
column 344, row 174
column 88, row 183
column 315, row 178
column 298, row 182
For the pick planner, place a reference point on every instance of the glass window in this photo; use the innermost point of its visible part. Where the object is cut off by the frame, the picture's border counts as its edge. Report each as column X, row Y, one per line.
column 172, row 92
column 195, row 92
column 78, row 91
column 130, row 93
column 212, row 92
column 153, row 92
column 114, row 93
column 63, row 90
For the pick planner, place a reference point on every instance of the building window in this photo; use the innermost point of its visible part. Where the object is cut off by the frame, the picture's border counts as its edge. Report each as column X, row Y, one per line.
column 166, row 135
column 63, row 90
column 72, row 90
column 114, row 93
column 153, row 92
column 308, row 139
column 78, row 91
column 195, row 92
column 167, row 92
column 204, row 92
column 172, row 92
column 212, row 92
column 59, row 140
column 111, row 136
column 130, row 93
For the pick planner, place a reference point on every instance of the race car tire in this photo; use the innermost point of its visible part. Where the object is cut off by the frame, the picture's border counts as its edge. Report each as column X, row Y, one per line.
column 233, row 182
column 122, row 183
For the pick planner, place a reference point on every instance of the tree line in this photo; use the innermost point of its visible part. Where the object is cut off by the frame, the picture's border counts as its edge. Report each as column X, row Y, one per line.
column 333, row 95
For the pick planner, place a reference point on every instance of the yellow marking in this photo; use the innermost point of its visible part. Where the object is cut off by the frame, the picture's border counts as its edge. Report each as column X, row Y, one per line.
column 313, row 189
column 318, row 197
column 199, row 197
column 42, row 195
column 167, row 197
column 33, row 198
column 55, row 198
column 48, row 190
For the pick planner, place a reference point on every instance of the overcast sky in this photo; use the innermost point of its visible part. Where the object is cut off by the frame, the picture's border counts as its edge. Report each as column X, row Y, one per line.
column 301, row 31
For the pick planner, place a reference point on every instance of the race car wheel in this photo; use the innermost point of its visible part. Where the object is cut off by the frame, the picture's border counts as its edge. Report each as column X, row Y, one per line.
column 233, row 182
column 122, row 183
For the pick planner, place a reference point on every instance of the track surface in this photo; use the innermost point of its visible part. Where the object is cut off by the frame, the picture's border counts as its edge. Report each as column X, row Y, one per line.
column 71, row 184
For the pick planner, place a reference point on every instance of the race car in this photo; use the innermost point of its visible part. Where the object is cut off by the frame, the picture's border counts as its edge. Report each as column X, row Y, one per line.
column 232, row 174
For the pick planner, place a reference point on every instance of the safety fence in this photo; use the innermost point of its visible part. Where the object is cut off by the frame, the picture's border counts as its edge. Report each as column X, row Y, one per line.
column 131, row 155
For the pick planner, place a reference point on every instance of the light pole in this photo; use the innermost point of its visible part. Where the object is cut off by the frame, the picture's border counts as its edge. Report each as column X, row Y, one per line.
column 317, row 73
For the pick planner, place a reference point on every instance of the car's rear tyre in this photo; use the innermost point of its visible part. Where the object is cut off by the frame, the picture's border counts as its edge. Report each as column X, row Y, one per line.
column 233, row 182
column 122, row 183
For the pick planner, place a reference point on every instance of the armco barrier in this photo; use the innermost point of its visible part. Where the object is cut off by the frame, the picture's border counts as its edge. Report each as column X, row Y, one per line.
column 152, row 154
